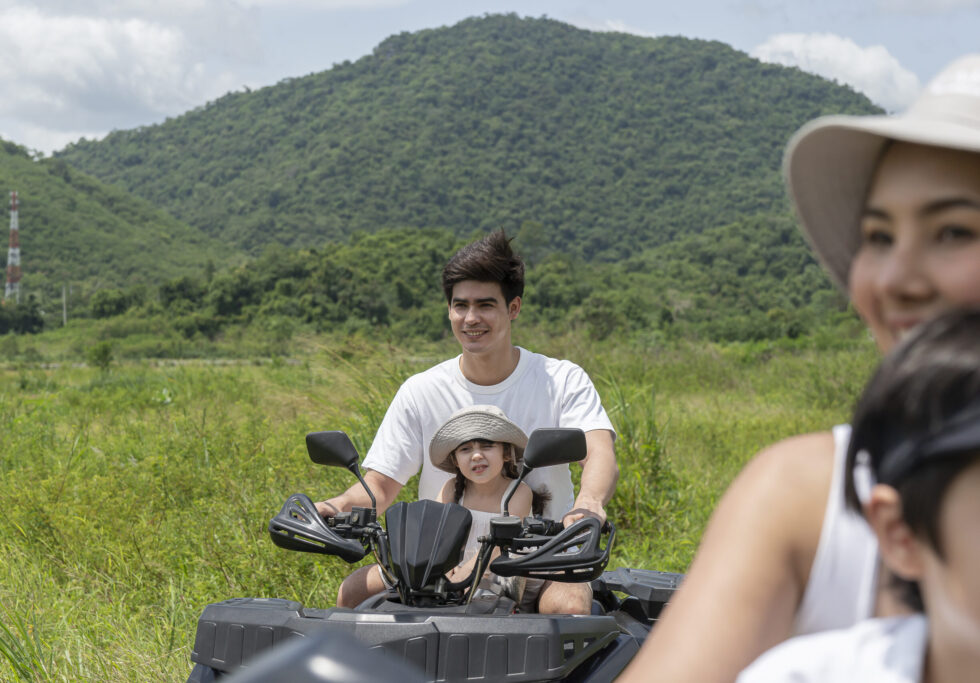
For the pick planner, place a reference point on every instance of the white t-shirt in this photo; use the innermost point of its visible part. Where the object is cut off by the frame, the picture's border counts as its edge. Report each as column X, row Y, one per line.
column 888, row 650
column 541, row 392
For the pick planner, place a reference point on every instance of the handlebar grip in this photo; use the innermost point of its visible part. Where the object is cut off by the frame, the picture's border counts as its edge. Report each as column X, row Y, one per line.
column 540, row 526
column 553, row 527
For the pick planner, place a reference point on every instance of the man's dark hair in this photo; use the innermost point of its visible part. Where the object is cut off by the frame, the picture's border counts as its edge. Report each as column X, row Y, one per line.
column 926, row 387
column 487, row 260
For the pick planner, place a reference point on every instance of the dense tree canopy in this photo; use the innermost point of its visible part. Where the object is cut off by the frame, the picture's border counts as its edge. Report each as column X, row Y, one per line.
column 746, row 281
column 640, row 177
column 609, row 142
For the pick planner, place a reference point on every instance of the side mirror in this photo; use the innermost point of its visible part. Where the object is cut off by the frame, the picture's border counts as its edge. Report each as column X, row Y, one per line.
column 331, row 448
column 336, row 449
column 554, row 446
column 545, row 447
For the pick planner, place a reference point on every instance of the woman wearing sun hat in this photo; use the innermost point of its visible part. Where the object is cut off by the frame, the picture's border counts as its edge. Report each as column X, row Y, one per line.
column 891, row 207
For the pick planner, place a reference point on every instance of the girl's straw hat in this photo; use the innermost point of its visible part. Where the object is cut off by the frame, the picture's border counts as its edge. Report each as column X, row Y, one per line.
column 829, row 162
column 475, row 422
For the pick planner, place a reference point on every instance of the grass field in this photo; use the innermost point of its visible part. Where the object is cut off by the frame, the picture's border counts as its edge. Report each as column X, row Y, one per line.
column 134, row 496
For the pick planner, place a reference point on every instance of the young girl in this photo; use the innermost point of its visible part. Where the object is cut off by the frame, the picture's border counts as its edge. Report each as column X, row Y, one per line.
column 483, row 449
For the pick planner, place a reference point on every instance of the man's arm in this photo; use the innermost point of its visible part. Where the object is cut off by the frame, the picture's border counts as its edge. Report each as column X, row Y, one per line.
column 599, row 475
column 385, row 490
column 396, row 449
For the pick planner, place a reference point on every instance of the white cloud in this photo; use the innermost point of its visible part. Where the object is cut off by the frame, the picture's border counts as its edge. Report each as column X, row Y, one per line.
column 44, row 139
column 326, row 5
column 870, row 70
column 65, row 73
column 927, row 6
column 611, row 26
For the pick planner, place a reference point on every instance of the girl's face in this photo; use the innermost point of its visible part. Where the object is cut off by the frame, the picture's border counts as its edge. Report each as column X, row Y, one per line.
column 480, row 461
column 920, row 240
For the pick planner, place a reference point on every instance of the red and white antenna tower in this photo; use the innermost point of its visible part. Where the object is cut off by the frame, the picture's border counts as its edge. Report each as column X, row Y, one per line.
column 13, row 254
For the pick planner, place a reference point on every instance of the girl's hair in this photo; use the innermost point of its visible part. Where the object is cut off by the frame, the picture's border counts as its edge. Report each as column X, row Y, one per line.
column 538, row 498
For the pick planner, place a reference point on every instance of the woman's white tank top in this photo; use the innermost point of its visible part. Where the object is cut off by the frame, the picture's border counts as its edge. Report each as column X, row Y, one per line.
column 843, row 578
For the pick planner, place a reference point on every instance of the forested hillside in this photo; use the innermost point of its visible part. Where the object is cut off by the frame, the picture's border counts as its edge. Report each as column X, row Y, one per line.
column 598, row 143
column 742, row 282
column 76, row 230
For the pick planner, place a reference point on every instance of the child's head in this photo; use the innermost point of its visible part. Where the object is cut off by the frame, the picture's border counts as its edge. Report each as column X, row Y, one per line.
column 479, row 443
column 914, row 459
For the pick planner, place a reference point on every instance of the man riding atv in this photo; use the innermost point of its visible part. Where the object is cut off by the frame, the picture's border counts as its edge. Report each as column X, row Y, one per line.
column 483, row 284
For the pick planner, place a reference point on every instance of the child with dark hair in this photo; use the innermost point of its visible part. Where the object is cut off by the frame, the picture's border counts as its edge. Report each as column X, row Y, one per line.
column 891, row 208
column 914, row 472
column 483, row 451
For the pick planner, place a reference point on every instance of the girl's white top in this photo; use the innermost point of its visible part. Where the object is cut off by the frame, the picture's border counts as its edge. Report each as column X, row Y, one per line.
column 479, row 527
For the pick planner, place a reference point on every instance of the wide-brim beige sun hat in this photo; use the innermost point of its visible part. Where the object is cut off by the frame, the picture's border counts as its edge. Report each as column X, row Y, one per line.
column 474, row 422
column 830, row 162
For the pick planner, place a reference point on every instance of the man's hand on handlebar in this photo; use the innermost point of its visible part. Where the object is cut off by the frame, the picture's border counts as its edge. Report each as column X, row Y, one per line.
column 584, row 507
column 385, row 489
column 330, row 507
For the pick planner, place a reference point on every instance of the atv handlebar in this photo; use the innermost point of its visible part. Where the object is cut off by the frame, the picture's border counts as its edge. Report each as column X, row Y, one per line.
column 547, row 550
column 298, row 526
column 533, row 546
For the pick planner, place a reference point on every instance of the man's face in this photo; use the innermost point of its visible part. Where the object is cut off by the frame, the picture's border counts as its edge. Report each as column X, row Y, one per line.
column 480, row 318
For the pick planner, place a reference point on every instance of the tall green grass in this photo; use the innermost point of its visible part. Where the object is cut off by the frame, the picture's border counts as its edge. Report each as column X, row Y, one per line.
column 135, row 496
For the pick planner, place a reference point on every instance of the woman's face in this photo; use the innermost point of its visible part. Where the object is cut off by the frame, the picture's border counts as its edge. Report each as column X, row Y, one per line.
column 480, row 461
column 920, row 240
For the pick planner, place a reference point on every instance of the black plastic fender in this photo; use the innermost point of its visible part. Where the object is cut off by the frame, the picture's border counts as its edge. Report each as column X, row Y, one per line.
column 445, row 646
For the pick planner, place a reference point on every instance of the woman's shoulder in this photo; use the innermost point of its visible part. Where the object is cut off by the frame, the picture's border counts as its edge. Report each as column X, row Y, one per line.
column 777, row 502
column 805, row 460
column 751, row 569
column 795, row 472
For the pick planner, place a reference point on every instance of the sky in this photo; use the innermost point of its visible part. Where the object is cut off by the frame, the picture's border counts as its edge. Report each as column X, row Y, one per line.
column 82, row 68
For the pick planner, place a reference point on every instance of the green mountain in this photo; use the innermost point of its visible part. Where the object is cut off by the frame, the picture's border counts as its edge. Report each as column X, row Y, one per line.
column 77, row 230
column 592, row 144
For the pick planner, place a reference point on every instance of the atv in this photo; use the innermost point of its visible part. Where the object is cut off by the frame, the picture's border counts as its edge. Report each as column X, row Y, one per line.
column 449, row 631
